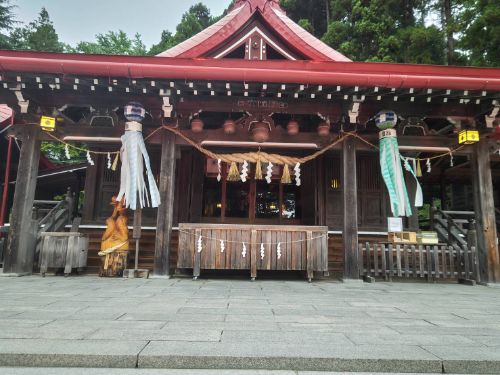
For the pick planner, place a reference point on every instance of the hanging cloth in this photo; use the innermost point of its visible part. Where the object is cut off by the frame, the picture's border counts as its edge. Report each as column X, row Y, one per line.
column 133, row 151
column 390, row 164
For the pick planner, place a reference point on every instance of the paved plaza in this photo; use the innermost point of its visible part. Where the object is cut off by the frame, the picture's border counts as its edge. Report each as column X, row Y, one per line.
column 212, row 324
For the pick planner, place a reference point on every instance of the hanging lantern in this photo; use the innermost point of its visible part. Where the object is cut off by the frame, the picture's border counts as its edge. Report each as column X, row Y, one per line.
column 390, row 163
column 48, row 124
column 229, row 126
column 293, row 127
column 132, row 153
column 468, row 137
column 260, row 132
column 324, row 129
column 197, row 125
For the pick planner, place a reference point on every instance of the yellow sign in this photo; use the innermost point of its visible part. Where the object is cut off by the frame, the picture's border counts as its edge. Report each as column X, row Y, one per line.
column 468, row 137
column 48, row 123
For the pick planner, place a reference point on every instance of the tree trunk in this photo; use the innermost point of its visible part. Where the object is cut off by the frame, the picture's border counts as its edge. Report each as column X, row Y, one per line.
column 327, row 13
column 449, row 31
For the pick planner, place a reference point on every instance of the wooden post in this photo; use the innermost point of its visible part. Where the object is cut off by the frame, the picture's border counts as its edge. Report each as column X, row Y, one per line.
column 349, row 210
column 444, row 196
column 90, row 190
column 20, row 255
column 484, row 208
column 166, row 208
column 78, row 189
column 411, row 186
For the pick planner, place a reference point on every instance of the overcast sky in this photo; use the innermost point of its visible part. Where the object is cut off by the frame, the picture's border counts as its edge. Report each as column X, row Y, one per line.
column 77, row 20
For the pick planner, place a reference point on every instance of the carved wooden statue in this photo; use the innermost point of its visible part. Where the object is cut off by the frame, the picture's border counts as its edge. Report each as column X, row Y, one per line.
column 115, row 246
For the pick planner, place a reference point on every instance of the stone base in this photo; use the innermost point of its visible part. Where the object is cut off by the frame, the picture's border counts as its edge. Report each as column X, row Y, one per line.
column 492, row 285
column 368, row 279
column 467, row 282
column 351, row 281
column 164, row 277
column 136, row 274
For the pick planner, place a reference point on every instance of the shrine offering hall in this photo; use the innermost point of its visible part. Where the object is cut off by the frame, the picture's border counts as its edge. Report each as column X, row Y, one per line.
column 251, row 149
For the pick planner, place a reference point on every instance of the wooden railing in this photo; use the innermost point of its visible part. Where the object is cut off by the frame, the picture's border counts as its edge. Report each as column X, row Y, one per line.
column 425, row 261
column 456, row 228
column 55, row 219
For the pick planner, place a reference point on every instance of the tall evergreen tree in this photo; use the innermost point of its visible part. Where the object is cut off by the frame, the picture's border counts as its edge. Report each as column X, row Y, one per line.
column 480, row 21
column 7, row 22
column 39, row 35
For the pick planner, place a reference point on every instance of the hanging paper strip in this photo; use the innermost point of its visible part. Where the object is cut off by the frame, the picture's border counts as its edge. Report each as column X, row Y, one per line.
column 200, row 247
column 66, row 150
column 222, row 247
column 451, row 160
column 419, row 197
column 278, row 250
column 109, row 161
column 269, row 174
column 262, row 251
column 219, row 177
column 297, row 174
column 133, row 152
column 89, row 159
column 390, row 164
column 244, row 171
column 429, row 168
column 244, row 251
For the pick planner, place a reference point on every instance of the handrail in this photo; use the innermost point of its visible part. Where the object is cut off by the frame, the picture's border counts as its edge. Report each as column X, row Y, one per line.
column 457, row 212
column 450, row 221
column 51, row 214
column 46, row 202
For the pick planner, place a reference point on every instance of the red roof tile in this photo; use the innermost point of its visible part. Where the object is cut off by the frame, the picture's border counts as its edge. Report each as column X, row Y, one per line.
column 219, row 33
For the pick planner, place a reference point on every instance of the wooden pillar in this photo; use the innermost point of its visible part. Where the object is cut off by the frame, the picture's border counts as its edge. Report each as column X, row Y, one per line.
column 411, row 187
column 166, row 208
column 90, row 190
column 20, row 254
column 484, row 208
column 78, row 189
column 349, row 210
column 444, row 196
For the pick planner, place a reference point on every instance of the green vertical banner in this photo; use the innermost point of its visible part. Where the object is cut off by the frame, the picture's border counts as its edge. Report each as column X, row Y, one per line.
column 390, row 164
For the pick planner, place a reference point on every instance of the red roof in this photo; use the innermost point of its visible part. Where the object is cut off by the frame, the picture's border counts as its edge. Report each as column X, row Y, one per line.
column 243, row 11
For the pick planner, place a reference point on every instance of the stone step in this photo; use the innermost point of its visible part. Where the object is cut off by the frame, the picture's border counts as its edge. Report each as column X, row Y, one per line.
column 293, row 356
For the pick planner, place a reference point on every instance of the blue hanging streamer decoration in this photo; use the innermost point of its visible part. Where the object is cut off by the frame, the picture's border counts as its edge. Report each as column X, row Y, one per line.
column 390, row 164
column 133, row 151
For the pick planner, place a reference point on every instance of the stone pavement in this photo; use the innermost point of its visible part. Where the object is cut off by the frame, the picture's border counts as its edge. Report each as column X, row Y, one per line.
column 235, row 324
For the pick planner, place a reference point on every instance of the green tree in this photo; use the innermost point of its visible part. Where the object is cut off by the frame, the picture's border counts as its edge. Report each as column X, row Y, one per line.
column 385, row 31
column 39, row 35
column 56, row 153
column 113, row 43
column 480, row 25
column 316, row 12
column 166, row 42
column 7, row 22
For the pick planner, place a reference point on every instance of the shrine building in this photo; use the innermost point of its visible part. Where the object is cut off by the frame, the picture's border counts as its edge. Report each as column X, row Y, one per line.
column 253, row 88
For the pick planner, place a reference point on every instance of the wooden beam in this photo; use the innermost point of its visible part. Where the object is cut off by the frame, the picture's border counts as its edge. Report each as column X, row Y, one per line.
column 20, row 252
column 349, row 210
column 166, row 208
column 484, row 208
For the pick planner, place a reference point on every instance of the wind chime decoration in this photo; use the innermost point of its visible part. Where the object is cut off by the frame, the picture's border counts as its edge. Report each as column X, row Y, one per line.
column 390, row 164
column 132, row 153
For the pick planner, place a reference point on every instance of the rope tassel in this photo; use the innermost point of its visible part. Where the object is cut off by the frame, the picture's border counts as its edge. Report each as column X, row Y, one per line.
column 233, row 174
column 258, row 169
column 286, row 179
column 419, row 171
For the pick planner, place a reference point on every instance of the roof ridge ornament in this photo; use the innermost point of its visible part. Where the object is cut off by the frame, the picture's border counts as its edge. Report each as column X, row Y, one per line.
column 261, row 4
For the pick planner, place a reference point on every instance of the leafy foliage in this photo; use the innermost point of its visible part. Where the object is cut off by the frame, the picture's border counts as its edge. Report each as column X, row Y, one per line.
column 56, row 153
column 39, row 35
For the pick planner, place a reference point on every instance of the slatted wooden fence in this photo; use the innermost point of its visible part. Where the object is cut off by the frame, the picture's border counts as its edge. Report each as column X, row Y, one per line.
column 432, row 262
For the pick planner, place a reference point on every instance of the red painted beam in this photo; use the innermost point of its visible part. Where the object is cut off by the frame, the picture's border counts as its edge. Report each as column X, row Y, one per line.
column 301, row 72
